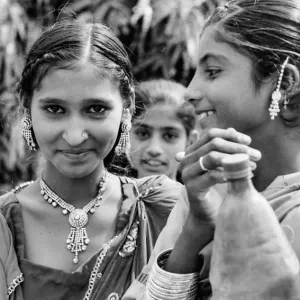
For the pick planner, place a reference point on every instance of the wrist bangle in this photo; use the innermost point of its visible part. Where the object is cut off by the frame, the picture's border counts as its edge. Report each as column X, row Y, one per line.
column 164, row 285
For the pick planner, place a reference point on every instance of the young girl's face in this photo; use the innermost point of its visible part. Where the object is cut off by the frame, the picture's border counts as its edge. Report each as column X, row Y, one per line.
column 76, row 115
column 223, row 90
column 155, row 140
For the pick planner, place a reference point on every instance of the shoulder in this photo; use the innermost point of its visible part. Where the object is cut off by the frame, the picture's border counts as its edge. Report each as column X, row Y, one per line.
column 7, row 199
column 158, row 184
column 4, row 230
column 159, row 194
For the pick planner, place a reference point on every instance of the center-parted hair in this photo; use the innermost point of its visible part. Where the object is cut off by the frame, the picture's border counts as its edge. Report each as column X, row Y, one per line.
column 160, row 91
column 69, row 43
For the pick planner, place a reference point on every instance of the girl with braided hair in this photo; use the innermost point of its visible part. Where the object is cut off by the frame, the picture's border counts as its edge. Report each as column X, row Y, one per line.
column 79, row 231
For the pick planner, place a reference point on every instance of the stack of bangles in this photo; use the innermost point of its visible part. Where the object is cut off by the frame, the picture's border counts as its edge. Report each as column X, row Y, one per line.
column 163, row 285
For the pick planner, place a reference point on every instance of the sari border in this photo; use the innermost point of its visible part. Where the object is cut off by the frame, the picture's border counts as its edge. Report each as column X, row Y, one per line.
column 14, row 284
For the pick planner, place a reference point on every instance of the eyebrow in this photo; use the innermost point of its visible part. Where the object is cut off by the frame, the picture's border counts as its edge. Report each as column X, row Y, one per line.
column 207, row 56
column 50, row 100
column 145, row 126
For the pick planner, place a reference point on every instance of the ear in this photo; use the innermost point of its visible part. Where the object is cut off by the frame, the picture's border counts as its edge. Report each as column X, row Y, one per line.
column 194, row 135
column 131, row 104
column 290, row 89
column 290, row 85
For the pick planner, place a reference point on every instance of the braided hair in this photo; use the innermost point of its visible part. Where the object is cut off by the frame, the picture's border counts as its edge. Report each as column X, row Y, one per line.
column 68, row 42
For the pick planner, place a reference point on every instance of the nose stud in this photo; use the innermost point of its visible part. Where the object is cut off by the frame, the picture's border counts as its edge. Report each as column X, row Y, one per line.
column 85, row 135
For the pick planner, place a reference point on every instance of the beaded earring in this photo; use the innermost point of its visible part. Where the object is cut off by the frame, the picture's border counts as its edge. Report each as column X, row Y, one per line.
column 26, row 126
column 124, row 142
column 285, row 102
column 276, row 95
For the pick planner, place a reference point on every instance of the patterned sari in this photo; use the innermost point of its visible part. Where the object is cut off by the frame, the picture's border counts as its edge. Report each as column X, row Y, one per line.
column 108, row 273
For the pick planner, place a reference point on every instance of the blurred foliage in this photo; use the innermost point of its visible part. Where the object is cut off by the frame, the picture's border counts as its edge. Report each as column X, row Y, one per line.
column 160, row 36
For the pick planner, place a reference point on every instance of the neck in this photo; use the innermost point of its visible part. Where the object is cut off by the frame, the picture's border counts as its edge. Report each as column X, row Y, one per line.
column 75, row 191
column 280, row 156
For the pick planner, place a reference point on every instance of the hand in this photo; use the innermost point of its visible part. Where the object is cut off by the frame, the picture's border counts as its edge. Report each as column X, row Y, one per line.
column 212, row 146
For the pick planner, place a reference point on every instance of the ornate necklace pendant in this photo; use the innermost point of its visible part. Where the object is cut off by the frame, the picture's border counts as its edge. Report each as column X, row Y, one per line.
column 77, row 240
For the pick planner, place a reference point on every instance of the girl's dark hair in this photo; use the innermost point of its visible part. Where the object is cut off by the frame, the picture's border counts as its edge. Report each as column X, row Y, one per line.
column 71, row 41
column 268, row 31
column 152, row 92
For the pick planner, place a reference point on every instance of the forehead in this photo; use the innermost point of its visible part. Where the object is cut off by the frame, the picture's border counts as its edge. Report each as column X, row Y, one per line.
column 159, row 117
column 213, row 46
column 80, row 81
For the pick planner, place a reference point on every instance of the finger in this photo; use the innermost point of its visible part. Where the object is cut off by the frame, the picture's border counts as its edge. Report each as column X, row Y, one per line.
column 179, row 156
column 222, row 146
column 211, row 161
column 219, row 144
column 204, row 181
column 252, row 164
column 229, row 134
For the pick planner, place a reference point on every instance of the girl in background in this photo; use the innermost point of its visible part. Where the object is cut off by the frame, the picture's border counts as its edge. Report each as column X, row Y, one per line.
column 161, row 127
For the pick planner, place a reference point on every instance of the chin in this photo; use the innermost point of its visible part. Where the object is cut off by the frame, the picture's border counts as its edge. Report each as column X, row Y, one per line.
column 76, row 173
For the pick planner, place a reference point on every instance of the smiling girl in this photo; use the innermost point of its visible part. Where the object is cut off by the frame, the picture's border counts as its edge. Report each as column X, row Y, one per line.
column 247, row 77
column 78, row 231
column 161, row 126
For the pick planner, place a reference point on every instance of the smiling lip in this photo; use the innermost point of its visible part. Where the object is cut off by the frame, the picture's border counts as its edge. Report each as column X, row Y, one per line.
column 205, row 113
column 153, row 163
column 76, row 154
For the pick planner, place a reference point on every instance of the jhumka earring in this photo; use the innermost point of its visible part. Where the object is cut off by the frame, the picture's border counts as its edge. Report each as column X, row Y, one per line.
column 276, row 95
column 124, row 142
column 26, row 126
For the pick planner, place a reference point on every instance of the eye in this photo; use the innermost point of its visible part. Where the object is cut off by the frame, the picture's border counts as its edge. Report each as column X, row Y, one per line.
column 96, row 109
column 212, row 72
column 171, row 136
column 142, row 134
column 54, row 109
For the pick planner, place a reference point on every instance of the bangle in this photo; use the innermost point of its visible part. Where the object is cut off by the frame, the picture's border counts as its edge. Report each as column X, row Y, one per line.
column 163, row 285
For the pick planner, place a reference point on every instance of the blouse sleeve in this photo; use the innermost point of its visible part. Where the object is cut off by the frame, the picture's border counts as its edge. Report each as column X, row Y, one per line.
column 10, row 274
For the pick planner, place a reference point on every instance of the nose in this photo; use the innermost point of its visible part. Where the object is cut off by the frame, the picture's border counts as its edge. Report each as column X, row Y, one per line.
column 194, row 92
column 154, row 148
column 75, row 133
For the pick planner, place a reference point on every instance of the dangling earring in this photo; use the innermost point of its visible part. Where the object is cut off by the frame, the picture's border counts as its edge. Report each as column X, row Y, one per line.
column 285, row 102
column 26, row 126
column 276, row 95
column 124, row 142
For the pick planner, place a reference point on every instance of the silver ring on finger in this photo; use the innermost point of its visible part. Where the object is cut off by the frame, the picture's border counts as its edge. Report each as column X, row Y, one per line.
column 202, row 166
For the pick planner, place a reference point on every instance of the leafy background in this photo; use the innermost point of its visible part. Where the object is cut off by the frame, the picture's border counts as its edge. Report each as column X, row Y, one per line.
column 160, row 36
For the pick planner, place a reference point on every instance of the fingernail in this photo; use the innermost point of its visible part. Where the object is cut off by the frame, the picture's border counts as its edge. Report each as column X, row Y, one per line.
column 245, row 139
column 255, row 154
column 180, row 156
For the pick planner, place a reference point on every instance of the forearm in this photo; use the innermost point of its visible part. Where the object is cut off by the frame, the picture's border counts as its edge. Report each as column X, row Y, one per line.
column 185, row 258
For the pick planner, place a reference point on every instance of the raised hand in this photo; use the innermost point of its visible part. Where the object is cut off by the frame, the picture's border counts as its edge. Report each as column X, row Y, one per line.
column 202, row 167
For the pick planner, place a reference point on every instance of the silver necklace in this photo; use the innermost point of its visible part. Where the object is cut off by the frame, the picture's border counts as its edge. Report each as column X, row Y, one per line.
column 77, row 239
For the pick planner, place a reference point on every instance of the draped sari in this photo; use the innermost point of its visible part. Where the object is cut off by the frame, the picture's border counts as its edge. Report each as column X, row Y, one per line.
column 146, row 205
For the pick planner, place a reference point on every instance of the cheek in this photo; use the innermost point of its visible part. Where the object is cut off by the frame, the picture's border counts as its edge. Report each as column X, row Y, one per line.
column 44, row 132
column 105, row 136
column 137, row 147
column 180, row 146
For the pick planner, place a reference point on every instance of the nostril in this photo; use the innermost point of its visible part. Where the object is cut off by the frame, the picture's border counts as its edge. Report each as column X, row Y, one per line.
column 192, row 100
